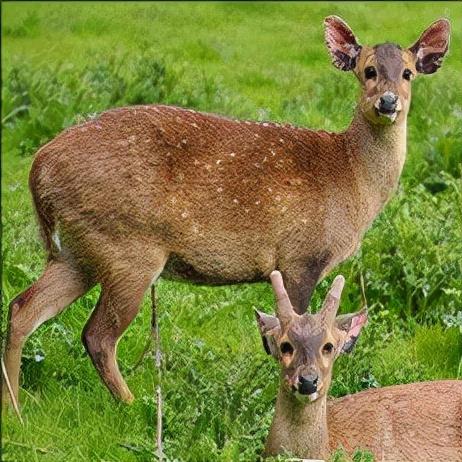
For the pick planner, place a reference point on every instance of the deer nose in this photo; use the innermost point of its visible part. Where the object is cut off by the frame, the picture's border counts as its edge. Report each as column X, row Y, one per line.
column 387, row 102
column 307, row 384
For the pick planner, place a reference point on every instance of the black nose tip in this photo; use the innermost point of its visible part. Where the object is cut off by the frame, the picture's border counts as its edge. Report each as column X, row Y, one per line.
column 307, row 385
column 388, row 103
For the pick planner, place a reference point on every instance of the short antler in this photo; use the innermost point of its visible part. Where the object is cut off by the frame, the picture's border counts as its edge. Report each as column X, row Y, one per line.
column 332, row 300
column 284, row 309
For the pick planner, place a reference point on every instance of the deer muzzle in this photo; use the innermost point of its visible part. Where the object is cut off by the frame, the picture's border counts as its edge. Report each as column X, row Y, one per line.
column 307, row 385
column 387, row 103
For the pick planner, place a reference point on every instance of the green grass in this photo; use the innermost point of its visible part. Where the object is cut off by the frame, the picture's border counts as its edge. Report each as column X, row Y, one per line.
column 64, row 62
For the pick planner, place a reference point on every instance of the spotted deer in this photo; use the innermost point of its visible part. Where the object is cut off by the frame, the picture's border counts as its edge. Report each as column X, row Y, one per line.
column 148, row 190
column 414, row 422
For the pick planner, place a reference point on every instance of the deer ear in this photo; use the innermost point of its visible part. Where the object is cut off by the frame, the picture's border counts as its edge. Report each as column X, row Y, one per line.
column 269, row 328
column 350, row 326
column 431, row 47
column 341, row 43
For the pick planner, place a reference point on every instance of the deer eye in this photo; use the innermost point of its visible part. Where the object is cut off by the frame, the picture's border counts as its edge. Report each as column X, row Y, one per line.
column 286, row 348
column 407, row 74
column 370, row 72
column 328, row 348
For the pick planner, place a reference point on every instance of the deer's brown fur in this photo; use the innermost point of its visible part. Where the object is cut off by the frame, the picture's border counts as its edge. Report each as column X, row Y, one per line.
column 416, row 421
column 146, row 190
column 402, row 423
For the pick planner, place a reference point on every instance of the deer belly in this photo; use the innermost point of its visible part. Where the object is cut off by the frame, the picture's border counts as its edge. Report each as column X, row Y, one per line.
column 212, row 269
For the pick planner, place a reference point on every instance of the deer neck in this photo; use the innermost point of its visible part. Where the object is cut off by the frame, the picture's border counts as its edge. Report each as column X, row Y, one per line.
column 379, row 152
column 298, row 428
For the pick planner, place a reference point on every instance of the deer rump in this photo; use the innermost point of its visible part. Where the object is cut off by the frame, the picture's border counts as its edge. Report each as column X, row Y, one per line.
column 227, row 201
column 416, row 421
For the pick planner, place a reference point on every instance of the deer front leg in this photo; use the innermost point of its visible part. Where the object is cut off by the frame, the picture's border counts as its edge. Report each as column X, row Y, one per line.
column 300, row 279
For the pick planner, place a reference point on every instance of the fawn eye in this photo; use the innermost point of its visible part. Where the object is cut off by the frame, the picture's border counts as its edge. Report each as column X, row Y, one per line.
column 370, row 72
column 407, row 74
column 286, row 348
column 328, row 348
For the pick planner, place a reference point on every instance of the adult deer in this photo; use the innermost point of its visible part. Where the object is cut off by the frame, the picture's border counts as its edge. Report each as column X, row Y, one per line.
column 414, row 422
column 149, row 190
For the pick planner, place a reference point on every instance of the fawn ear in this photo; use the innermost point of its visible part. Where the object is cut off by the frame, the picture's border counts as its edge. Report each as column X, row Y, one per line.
column 431, row 47
column 350, row 326
column 341, row 43
column 269, row 327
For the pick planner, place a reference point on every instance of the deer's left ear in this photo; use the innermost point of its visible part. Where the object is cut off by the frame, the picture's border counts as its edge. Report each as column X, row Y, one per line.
column 431, row 47
column 269, row 327
column 341, row 42
column 350, row 326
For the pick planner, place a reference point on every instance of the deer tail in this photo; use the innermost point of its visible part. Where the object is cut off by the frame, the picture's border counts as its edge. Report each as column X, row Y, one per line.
column 43, row 210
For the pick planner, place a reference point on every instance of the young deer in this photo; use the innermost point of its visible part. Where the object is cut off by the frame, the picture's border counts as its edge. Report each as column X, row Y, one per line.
column 416, row 422
column 145, row 190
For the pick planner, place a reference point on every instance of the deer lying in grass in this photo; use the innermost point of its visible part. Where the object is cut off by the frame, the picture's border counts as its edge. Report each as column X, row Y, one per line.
column 149, row 190
column 415, row 422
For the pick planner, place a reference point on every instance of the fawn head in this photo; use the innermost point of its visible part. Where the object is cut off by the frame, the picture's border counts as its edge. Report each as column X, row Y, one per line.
column 307, row 345
column 385, row 71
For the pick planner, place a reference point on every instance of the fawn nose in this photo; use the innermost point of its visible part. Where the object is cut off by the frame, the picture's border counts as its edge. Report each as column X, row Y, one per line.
column 307, row 384
column 388, row 102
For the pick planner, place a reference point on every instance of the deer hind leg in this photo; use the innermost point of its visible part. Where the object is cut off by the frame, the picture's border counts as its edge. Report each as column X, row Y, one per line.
column 118, row 305
column 57, row 287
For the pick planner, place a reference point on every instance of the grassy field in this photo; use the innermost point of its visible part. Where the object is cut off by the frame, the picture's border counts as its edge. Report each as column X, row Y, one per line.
column 263, row 61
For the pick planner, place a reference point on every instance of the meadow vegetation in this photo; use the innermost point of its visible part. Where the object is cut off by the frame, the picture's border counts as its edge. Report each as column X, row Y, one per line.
column 64, row 62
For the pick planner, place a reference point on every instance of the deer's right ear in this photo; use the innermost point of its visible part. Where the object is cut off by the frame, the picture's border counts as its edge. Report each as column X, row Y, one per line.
column 341, row 43
column 431, row 47
column 269, row 328
column 350, row 326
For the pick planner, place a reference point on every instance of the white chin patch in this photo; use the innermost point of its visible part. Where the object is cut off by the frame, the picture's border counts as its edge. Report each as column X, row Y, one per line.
column 306, row 398
column 392, row 117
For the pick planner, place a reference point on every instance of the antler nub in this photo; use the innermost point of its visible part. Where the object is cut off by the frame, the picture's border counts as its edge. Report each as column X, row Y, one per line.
column 285, row 310
column 332, row 300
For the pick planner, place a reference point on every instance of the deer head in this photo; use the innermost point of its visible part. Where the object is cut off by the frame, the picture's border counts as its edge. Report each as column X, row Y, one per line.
column 385, row 71
column 307, row 345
